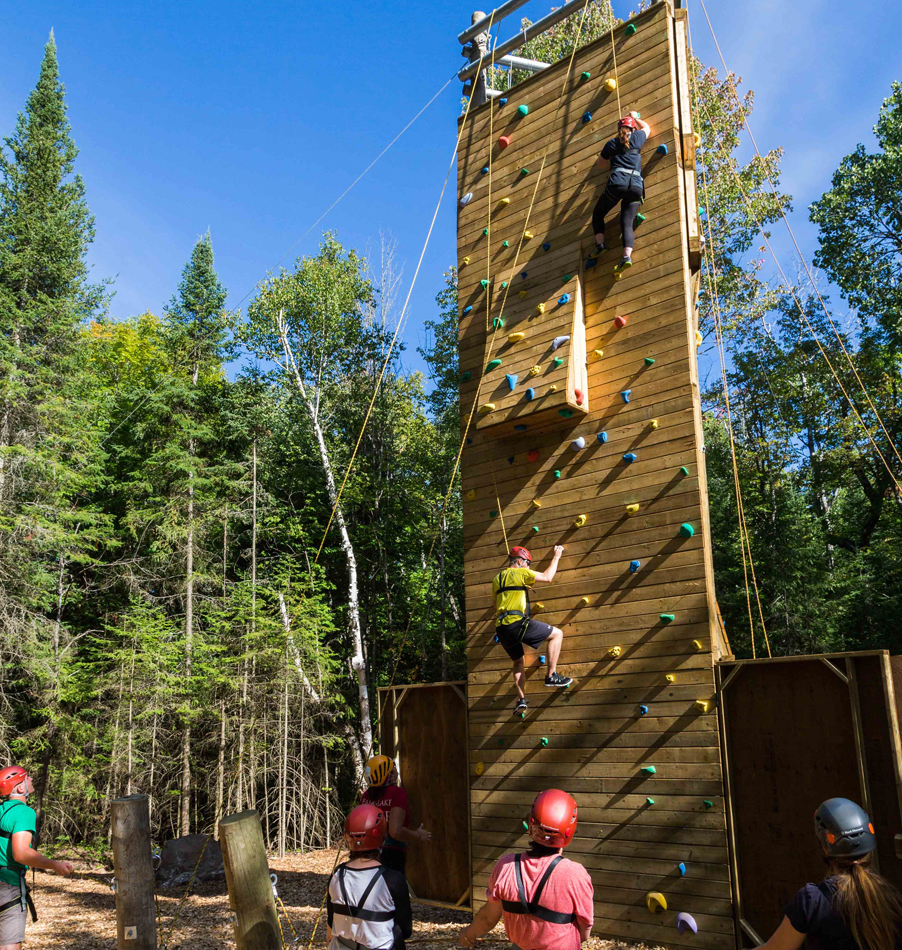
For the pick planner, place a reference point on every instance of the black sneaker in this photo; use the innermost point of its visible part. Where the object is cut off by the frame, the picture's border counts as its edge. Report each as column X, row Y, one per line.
column 555, row 679
column 521, row 706
column 597, row 251
column 624, row 263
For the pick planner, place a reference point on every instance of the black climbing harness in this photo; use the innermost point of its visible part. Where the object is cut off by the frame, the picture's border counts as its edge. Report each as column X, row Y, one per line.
column 357, row 912
column 503, row 588
column 24, row 899
column 533, row 907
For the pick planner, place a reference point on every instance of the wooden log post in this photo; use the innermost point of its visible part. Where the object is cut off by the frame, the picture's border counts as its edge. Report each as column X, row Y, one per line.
column 251, row 899
column 136, row 922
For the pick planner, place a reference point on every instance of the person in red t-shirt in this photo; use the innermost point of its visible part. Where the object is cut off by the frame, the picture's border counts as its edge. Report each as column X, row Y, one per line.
column 545, row 899
column 385, row 793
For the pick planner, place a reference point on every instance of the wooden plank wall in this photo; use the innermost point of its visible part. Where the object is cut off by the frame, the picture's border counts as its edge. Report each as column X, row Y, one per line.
column 598, row 741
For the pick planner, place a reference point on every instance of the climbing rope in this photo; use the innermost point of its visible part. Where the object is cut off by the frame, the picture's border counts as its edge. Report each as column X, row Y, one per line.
column 164, row 940
column 274, row 880
column 742, row 112
column 614, row 55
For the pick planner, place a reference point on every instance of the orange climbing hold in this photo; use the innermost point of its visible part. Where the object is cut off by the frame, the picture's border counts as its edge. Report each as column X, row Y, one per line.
column 579, row 396
column 620, row 322
column 532, row 455
column 504, row 141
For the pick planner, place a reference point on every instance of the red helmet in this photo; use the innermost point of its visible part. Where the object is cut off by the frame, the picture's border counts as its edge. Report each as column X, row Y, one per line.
column 365, row 828
column 521, row 552
column 552, row 820
column 628, row 122
column 11, row 777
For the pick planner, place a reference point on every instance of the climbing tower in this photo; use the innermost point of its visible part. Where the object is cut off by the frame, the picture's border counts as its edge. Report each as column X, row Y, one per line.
column 587, row 432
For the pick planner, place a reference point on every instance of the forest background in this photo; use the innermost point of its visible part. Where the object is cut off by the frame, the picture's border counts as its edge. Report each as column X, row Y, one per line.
column 180, row 611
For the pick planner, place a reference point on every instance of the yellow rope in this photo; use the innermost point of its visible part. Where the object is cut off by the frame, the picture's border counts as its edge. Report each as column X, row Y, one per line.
column 614, row 54
column 767, row 174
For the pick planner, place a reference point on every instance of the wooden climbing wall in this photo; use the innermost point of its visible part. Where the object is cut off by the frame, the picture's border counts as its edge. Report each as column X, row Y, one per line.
column 635, row 828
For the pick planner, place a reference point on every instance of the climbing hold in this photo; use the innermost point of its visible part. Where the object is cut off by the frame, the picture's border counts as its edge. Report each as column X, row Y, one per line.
column 497, row 639
column 702, row 705
column 661, row 149
column 538, row 607
column 505, row 243
column 686, row 530
column 465, row 261
column 483, row 283
column 649, row 361
column 521, row 294
column 585, row 75
column 634, row 566
column 535, row 370
column 498, row 322
column 697, row 644
column 591, row 262
column 502, row 101
column 632, row 509
column 527, row 235
column 566, row 277
column 467, row 198
column 597, row 354
column 566, row 413
column 669, row 677
column 656, row 902
column 653, row 423
column 521, row 428
column 564, row 298
column 516, row 337
column 487, row 408
column 552, row 388
column 602, row 437
column 511, row 379
column 620, row 322
column 535, row 528
column 648, row 770
column 580, row 521
column 537, row 502
column 629, row 31
column 638, row 219
column 503, row 284
column 510, row 460
column 697, row 141
column 559, row 340
column 479, row 769
column 584, row 601
column 667, row 618
column 525, row 826
column 467, row 309
column 465, row 376
column 532, row 455
column 492, row 364
column 578, row 443
column 540, row 307
column 471, row 494
column 544, row 741
column 615, row 651
column 686, row 922
column 505, row 201
column 643, row 710
column 524, row 274
column 557, row 361
column 579, row 396
column 610, row 84
column 504, row 141
column 501, row 742
column 682, row 869
column 587, row 117
column 493, row 514
column 708, row 804
column 684, row 470
column 649, row 801
column 629, row 457
column 546, row 246
column 485, row 231
column 617, row 273
column 698, row 338
column 524, row 171
column 530, row 394
column 485, row 170
column 523, row 110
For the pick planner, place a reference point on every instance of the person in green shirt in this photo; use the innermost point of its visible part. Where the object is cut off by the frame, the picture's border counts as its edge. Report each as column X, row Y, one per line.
column 17, row 828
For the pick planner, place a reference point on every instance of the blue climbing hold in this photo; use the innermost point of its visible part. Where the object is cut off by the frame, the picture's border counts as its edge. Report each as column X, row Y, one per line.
column 629, row 457
column 591, row 262
column 510, row 460
column 469, row 440
column 502, row 101
column 521, row 428
column 542, row 658
column 643, row 710
column 530, row 393
column 682, row 869
column 511, row 379
column 661, row 149
column 587, row 117
column 524, row 274
column 546, row 246
column 563, row 299
column 467, row 309
column 602, row 437
column 625, row 395
column 634, row 566
column 496, row 638
column 485, row 170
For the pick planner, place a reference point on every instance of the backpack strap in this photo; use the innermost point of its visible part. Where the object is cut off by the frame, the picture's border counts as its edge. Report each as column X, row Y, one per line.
column 532, row 907
column 357, row 912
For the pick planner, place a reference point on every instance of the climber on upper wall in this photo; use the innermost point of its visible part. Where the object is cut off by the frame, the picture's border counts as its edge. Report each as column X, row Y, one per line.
column 625, row 184
column 514, row 626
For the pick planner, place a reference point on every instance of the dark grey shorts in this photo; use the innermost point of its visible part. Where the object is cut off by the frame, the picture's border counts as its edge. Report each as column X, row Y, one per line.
column 512, row 636
column 12, row 920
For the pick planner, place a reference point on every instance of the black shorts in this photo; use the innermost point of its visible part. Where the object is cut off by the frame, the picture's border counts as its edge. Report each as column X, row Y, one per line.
column 512, row 636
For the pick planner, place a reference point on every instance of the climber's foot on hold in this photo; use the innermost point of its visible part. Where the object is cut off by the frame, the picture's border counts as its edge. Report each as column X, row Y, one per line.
column 521, row 706
column 555, row 679
column 624, row 263
column 597, row 251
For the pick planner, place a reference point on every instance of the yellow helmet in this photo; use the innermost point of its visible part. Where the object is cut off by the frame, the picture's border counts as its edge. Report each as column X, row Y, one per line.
column 378, row 770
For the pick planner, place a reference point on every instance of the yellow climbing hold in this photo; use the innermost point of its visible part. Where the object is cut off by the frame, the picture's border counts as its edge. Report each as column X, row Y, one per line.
column 654, row 423
column 552, row 388
column 702, row 705
column 535, row 370
column 598, row 354
column 618, row 274
column 479, row 768
column 522, row 294
column 656, row 902
column 610, row 84
column 471, row 494
column 487, row 408
column 580, row 521
column 505, row 201
column 698, row 337
column 540, row 307
column 516, row 337
column 633, row 508
column 584, row 601
column 697, row 644
column 466, row 260
column 696, row 139
column 537, row 607
column 670, row 678
column 527, row 235
column 615, row 651
column 537, row 502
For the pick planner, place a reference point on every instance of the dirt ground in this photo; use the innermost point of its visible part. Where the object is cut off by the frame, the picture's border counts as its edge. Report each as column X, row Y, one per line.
column 78, row 913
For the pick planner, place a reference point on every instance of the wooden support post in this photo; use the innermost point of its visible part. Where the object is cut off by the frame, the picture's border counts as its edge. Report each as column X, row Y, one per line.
column 251, row 899
column 136, row 922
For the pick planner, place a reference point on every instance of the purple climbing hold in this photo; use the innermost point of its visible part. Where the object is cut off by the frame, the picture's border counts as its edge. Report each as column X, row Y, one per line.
column 686, row 922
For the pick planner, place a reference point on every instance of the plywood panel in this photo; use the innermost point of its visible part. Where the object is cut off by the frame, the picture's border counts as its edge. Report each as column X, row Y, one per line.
column 598, row 740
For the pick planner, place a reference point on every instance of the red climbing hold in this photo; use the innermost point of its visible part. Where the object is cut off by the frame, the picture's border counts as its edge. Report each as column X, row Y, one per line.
column 504, row 141
column 579, row 396
column 620, row 322
column 532, row 455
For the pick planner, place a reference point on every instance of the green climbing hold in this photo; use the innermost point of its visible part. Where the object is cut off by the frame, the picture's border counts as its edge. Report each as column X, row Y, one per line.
column 667, row 618
column 585, row 75
column 639, row 218
column 525, row 826
column 523, row 110
column 544, row 741
column 465, row 376
column 524, row 171
column 649, row 801
column 686, row 530
column 566, row 413
column 535, row 529
column 503, row 284
column 684, row 470
column 566, row 277
column 708, row 804
column 492, row 364
column 649, row 361
column 630, row 30
column 497, row 323
column 501, row 742
column 485, row 231
column 557, row 473
column 649, row 770
column 493, row 514
column 557, row 361
column 505, row 243
column 483, row 283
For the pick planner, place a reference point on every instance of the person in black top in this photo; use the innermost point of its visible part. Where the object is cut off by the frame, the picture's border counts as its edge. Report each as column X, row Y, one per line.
column 853, row 908
column 624, row 184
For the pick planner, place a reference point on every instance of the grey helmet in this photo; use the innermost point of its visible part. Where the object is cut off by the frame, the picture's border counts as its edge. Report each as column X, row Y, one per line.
column 844, row 829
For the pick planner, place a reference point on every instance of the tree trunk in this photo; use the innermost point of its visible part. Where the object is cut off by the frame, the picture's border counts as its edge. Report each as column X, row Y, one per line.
column 185, row 794
column 220, row 765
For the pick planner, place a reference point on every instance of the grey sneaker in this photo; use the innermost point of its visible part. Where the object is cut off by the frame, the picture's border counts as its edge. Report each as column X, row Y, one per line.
column 521, row 706
column 555, row 679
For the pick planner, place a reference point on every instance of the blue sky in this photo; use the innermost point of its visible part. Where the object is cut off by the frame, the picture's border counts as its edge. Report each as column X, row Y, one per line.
column 250, row 119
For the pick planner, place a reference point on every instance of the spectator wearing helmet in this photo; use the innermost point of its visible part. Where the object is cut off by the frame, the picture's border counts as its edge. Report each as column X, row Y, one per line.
column 385, row 793
column 625, row 184
column 853, row 908
column 545, row 899
column 367, row 905
column 17, row 828
column 513, row 624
